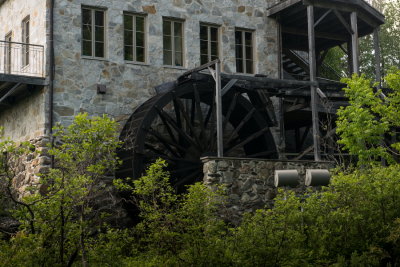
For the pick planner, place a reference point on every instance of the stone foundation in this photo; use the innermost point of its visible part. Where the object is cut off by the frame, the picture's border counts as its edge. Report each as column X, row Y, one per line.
column 250, row 182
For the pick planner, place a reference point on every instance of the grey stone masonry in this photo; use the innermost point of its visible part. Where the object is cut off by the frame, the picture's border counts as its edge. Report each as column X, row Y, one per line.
column 249, row 183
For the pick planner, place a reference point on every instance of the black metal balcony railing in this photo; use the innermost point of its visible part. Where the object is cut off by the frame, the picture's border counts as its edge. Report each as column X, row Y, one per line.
column 21, row 59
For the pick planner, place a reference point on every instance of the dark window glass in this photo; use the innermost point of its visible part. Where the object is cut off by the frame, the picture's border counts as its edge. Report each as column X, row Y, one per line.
column 139, row 24
column 99, row 48
column 86, row 16
column 128, row 51
column 99, row 18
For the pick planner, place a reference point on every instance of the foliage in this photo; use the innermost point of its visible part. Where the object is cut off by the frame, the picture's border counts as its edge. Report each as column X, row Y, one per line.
column 353, row 222
column 59, row 216
column 363, row 125
column 389, row 41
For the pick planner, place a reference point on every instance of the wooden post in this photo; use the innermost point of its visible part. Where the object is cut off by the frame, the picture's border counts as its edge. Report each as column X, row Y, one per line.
column 313, row 78
column 218, row 104
column 354, row 43
column 280, row 114
column 378, row 75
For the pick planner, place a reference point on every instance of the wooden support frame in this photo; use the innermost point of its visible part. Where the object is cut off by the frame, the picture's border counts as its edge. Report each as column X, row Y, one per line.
column 313, row 78
column 355, row 43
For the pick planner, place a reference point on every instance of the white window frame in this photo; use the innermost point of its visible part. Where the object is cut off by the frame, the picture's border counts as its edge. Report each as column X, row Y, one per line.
column 173, row 51
column 134, row 31
column 209, row 26
column 93, row 33
column 25, row 39
column 244, row 58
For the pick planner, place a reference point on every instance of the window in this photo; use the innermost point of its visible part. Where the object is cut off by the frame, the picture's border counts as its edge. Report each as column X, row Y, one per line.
column 173, row 42
column 93, row 32
column 244, row 51
column 7, row 52
column 25, row 41
column 134, row 37
column 209, row 47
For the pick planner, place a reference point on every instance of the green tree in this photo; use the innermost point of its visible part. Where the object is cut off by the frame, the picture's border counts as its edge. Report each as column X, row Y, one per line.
column 363, row 125
column 58, row 219
column 389, row 41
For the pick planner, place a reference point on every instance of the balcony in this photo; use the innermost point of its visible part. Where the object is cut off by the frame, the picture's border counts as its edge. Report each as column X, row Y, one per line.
column 22, row 70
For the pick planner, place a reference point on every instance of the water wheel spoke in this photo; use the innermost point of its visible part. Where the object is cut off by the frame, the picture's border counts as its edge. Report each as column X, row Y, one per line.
column 241, row 124
column 188, row 121
column 178, row 129
column 230, row 110
column 193, row 111
column 166, row 143
column 177, row 114
column 248, row 139
column 167, row 126
column 210, row 113
column 198, row 108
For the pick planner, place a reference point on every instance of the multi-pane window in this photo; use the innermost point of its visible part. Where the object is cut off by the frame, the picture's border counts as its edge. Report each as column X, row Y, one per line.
column 93, row 32
column 244, row 51
column 134, row 37
column 208, row 43
column 173, row 42
column 25, row 41
column 7, row 52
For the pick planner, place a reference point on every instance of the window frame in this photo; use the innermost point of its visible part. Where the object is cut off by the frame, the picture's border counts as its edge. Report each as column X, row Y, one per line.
column 209, row 41
column 134, row 15
column 8, row 52
column 173, row 50
column 93, row 25
column 25, row 39
column 244, row 55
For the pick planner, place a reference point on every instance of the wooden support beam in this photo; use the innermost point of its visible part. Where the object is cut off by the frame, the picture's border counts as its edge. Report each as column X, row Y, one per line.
column 378, row 75
column 10, row 92
column 323, row 35
column 228, row 86
column 281, row 6
column 355, row 43
column 322, row 18
column 313, row 78
column 219, row 119
column 367, row 13
column 343, row 21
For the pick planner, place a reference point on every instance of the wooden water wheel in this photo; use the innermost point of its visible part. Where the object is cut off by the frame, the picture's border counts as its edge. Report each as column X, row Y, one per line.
column 180, row 126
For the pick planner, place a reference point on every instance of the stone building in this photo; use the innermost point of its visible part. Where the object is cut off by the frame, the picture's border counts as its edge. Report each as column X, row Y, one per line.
column 63, row 57
column 128, row 81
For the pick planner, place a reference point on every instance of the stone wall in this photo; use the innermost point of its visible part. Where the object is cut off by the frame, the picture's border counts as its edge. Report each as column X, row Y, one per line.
column 129, row 84
column 25, row 119
column 250, row 182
